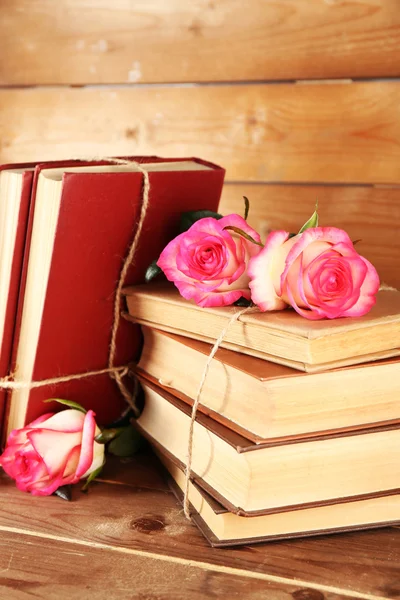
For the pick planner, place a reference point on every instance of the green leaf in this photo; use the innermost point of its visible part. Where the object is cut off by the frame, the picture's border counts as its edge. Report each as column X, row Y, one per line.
column 152, row 271
column 108, row 434
column 127, row 443
column 92, row 477
column 312, row 221
column 243, row 234
column 190, row 217
column 246, row 207
column 69, row 403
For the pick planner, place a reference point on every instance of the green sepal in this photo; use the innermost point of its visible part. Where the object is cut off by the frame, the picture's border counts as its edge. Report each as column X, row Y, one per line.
column 64, row 492
column 92, row 477
column 190, row 217
column 69, row 403
column 246, row 207
column 107, row 435
column 312, row 221
column 127, row 443
column 152, row 271
column 243, row 234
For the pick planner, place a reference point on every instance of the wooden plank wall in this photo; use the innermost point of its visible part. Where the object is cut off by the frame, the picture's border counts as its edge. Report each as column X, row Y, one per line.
column 298, row 99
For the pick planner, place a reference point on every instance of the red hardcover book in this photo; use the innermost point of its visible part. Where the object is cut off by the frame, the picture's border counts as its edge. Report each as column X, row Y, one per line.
column 82, row 221
column 15, row 193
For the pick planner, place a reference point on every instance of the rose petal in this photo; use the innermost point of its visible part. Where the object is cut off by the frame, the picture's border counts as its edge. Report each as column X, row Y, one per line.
column 263, row 292
column 38, row 473
column 70, row 421
column 167, row 259
column 53, row 447
column 98, row 459
column 17, row 436
column 371, row 282
column 88, row 434
column 48, row 487
column 303, row 240
column 312, row 315
column 368, row 290
column 7, row 460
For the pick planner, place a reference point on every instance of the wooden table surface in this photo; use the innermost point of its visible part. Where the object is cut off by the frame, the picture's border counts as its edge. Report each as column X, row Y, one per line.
column 128, row 539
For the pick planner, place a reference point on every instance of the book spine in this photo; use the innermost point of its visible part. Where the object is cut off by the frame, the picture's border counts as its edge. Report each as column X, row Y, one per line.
column 11, row 319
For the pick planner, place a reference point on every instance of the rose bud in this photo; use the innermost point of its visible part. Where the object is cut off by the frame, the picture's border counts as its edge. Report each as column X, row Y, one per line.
column 318, row 273
column 55, row 450
column 208, row 264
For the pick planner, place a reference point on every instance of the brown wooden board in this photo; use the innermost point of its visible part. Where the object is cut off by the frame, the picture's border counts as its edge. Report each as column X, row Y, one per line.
column 289, row 132
column 367, row 213
column 138, row 519
column 51, row 569
column 79, row 42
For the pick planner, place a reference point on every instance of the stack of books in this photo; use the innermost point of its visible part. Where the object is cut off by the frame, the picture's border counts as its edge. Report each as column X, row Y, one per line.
column 298, row 427
column 65, row 230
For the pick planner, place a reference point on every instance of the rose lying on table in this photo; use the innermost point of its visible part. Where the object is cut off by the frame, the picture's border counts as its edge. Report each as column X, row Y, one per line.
column 59, row 449
column 318, row 272
column 52, row 451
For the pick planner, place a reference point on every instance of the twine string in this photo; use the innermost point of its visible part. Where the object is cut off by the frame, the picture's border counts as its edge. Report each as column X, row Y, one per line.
column 384, row 287
column 8, row 384
column 235, row 317
column 117, row 374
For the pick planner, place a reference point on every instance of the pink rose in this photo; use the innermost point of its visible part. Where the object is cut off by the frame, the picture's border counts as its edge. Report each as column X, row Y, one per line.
column 209, row 264
column 55, row 450
column 317, row 272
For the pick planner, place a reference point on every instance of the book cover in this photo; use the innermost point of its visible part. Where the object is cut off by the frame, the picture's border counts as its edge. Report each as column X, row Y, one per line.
column 279, row 336
column 76, row 255
column 277, row 476
column 265, row 401
column 223, row 529
column 12, row 246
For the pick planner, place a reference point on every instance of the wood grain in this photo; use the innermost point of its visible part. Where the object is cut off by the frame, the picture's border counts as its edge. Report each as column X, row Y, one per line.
column 150, row 520
column 317, row 133
column 49, row 570
column 80, row 42
column 369, row 214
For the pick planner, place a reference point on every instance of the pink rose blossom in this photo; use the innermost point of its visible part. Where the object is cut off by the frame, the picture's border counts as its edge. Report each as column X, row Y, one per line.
column 55, row 450
column 318, row 273
column 209, row 264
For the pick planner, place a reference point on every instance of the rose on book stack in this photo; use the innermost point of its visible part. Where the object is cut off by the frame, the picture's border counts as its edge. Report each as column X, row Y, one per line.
column 298, row 429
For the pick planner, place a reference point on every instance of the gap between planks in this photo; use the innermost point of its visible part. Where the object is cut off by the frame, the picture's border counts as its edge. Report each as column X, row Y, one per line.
column 198, row 564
